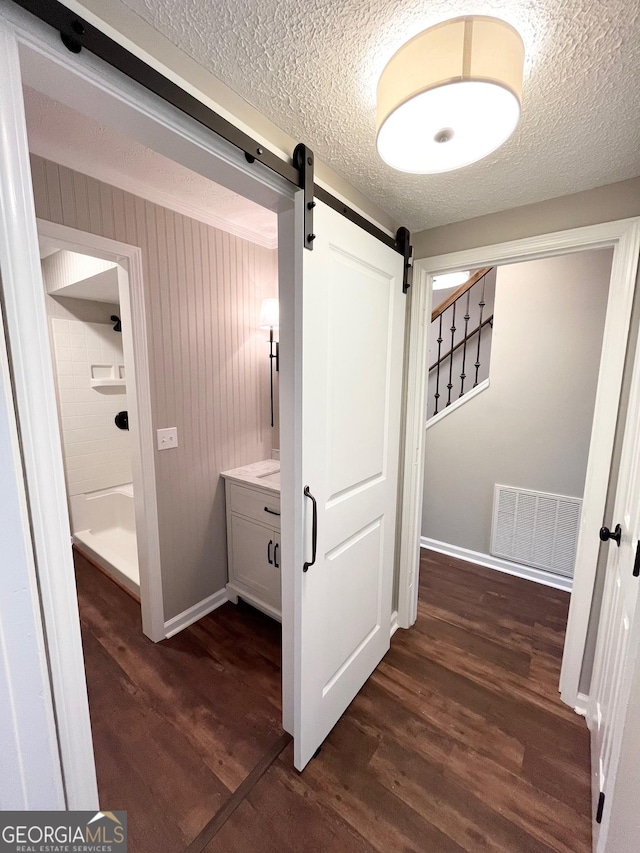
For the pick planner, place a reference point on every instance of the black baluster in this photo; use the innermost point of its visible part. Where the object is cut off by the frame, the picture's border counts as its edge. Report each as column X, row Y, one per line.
column 467, row 317
column 453, row 335
column 437, row 394
column 481, row 305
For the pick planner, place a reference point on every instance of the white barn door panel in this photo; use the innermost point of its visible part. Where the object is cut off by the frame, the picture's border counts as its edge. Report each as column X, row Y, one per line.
column 353, row 329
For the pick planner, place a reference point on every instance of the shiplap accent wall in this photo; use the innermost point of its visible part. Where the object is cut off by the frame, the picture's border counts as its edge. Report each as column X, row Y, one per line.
column 209, row 365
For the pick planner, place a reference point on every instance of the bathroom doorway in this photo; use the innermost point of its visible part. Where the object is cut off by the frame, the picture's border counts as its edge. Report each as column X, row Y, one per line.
column 93, row 293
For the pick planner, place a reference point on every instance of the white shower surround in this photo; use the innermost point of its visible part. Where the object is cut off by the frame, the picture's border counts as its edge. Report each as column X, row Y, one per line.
column 103, row 526
column 97, row 455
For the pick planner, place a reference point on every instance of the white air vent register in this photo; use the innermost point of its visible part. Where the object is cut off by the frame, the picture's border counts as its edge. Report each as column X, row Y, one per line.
column 536, row 528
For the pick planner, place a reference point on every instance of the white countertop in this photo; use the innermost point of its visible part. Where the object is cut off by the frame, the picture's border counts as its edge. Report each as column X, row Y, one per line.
column 264, row 474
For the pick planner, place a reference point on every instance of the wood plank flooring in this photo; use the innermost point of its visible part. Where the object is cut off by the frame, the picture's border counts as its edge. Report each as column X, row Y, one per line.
column 458, row 742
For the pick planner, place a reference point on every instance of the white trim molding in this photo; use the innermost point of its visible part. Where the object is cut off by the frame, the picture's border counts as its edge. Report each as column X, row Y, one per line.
column 482, row 386
column 488, row 561
column 394, row 622
column 582, row 703
column 623, row 236
column 415, row 409
column 197, row 611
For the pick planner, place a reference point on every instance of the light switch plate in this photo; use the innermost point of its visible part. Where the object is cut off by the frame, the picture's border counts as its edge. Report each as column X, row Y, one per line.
column 167, row 438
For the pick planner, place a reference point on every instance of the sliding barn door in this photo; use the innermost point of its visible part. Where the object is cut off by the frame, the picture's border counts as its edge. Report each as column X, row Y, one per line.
column 353, row 329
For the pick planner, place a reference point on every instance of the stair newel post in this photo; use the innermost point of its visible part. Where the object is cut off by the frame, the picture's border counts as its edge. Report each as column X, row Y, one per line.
column 467, row 317
column 437, row 394
column 453, row 336
column 481, row 305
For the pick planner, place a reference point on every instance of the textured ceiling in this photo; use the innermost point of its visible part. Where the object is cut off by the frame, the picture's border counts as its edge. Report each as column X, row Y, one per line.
column 63, row 135
column 312, row 68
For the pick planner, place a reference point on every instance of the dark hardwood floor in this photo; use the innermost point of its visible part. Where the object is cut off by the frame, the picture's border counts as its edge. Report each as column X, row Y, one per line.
column 458, row 742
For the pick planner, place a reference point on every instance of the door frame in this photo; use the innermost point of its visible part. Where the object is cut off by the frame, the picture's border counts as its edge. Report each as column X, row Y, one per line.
column 136, row 352
column 183, row 139
column 623, row 236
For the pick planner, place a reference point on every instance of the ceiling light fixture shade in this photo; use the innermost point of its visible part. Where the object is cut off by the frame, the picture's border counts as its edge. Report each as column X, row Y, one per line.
column 450, row 96
column 450, row 279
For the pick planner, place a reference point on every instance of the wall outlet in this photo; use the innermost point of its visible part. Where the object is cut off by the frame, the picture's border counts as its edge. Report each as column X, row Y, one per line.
column 167, row 438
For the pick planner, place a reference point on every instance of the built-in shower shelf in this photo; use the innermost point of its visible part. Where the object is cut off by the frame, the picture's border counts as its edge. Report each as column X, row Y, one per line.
column 108, row 383
column 107, row 376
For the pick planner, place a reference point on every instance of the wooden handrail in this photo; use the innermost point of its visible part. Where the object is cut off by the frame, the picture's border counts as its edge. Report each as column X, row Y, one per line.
column 460, row 291
column 459, row 344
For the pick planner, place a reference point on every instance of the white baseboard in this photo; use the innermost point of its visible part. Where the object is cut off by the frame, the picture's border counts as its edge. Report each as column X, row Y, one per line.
column 394, row 622
column 192, row 614
column 506, row 566
column 581, row 704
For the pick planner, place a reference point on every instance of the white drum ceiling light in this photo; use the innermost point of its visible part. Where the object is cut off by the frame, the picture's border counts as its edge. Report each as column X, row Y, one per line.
column 450, row 96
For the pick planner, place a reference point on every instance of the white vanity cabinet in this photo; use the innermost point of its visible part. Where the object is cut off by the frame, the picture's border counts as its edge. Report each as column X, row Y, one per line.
column 253, row 535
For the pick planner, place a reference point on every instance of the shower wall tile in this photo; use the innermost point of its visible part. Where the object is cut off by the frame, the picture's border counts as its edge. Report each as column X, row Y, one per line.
column 96, row 453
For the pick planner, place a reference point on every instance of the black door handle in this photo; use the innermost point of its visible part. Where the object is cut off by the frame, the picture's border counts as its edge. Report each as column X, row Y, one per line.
column 605, row 534
column 121, row 420
column 271, row 511
column 269, row 552
column 275, row 555
column 314, row 529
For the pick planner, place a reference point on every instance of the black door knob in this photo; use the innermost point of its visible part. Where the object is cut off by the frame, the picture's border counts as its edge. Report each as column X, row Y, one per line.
column 605, row 534
column 122, row 420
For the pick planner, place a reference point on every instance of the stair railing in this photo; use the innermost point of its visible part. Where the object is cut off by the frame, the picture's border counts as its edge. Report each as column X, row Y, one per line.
column 477, row 281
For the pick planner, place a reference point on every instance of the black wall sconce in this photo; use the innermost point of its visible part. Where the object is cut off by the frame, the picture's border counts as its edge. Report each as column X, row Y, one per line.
column 270, row 319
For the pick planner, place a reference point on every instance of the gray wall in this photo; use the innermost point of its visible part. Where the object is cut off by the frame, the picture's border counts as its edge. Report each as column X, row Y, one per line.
column 603, row 204
column 531, row 428
column 209, row 365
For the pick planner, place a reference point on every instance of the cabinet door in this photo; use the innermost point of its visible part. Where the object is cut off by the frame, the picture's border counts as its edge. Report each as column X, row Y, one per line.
column 253, row 548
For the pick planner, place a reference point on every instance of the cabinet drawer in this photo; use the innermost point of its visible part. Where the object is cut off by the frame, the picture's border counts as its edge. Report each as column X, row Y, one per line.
column 259, row 506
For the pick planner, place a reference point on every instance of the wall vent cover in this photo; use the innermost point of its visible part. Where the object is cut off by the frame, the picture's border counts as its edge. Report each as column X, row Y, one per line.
column 535, row 528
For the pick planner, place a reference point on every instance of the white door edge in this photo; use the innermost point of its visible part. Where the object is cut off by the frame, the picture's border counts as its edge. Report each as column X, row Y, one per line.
column 624, row 237
column 31, row 775
column 611, row 717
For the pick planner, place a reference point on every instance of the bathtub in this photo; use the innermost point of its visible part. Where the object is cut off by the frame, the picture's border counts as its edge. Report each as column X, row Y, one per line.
column 104, row 528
